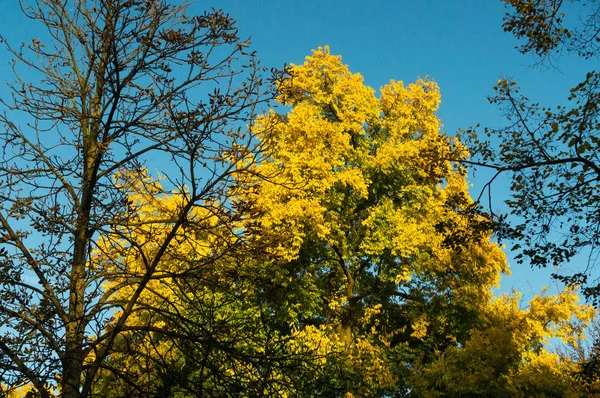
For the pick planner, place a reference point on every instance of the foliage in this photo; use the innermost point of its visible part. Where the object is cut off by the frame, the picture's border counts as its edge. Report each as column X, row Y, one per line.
column 547, row 29
column 551, row 152
column 360, row 215
column 506, row 357
column 364, row 263
column 195, row 330
column 328, row 250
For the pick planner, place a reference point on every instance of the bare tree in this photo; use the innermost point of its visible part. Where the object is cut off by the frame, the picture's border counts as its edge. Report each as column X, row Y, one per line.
column 113, row 85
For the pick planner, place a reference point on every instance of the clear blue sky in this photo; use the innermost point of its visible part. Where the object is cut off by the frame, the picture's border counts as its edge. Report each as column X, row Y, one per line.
column 458, row 43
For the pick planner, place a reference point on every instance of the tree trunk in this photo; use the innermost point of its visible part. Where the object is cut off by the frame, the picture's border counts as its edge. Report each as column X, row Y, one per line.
column 75, row 329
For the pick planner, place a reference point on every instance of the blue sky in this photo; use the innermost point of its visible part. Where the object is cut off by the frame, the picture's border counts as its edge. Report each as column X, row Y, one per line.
column 458, row 43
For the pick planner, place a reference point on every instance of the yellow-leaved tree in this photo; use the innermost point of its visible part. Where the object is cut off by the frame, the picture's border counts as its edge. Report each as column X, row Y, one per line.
column 357, row 266
column 196, row 330
column 507, row 355
column 374, row 251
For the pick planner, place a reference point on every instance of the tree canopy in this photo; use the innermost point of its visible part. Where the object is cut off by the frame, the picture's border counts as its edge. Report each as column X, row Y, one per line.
column 325, row 246
column 364, row 270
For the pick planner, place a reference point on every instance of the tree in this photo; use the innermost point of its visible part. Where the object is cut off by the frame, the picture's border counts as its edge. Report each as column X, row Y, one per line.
column 374, row 251
column 547, row 29
column 506, row 354
column 551, row 152
column 365, row 268
column 202, row 335
column 112, row 86
column 364, row 219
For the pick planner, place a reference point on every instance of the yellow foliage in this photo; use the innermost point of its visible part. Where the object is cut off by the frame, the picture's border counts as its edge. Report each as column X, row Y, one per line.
column 360, row 242
column 509, row 352
column 23, row 391
column 324, row 155
column 547, row 316
column 365, row 179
